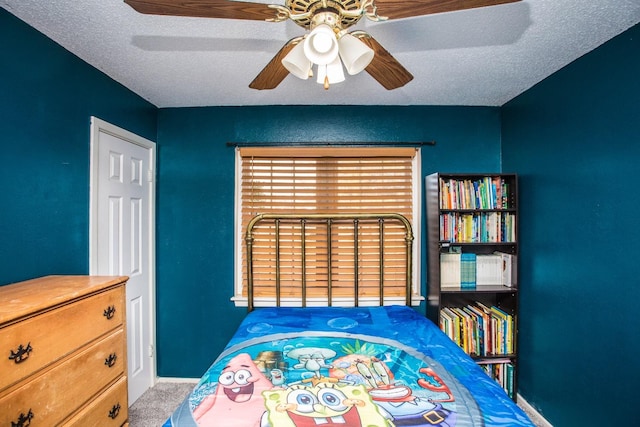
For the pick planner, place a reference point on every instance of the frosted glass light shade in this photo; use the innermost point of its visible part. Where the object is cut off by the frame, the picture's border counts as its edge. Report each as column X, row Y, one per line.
column 321, row 45
column 333, row 72
column 297, row 63
column 354, row 53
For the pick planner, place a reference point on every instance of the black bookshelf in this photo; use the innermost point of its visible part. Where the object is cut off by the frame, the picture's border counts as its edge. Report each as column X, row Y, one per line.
column 472, row 215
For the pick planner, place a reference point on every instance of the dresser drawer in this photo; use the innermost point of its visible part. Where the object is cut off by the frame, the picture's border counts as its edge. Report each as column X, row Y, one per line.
column 50, row 398
column 110, row 409
column 35, row 342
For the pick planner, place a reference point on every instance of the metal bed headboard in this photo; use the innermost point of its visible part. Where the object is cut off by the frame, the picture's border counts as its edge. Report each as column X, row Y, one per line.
column 329, row 220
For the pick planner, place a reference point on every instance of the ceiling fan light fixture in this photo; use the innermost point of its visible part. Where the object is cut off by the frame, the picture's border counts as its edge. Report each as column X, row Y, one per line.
column 297, row 63
column 321, row 45
column 355, row 55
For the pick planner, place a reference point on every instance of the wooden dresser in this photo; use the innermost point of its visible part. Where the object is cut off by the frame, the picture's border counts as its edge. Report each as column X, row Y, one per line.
column 63, row 352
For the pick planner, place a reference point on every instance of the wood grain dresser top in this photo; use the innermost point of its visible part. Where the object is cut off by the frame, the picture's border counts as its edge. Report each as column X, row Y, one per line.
column 32, row 296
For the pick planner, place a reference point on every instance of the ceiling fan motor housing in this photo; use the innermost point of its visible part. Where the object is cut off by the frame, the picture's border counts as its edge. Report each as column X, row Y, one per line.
column 312, row 8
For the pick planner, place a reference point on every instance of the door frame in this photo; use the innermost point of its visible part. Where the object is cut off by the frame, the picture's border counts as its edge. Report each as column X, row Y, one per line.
column 98, row 126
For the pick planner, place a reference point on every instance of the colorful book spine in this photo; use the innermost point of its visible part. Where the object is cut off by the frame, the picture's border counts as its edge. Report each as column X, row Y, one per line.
column 483, row 193
column 477, row 227
column 467, row 270
column 479, row 330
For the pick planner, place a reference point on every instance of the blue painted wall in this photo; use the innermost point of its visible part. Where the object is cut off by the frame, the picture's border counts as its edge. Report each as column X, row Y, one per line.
column 575, row 141
column 196, row 199
column 47, row 97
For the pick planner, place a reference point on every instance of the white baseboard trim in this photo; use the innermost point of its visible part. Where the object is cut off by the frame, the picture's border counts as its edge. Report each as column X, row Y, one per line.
column 535, row 416
column 176, row 380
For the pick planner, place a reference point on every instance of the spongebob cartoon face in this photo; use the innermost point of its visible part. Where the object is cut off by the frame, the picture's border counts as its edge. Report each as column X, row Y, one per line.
column 326, row 404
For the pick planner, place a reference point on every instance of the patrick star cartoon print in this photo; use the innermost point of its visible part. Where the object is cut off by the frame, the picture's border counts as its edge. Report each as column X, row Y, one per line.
column 239, row 391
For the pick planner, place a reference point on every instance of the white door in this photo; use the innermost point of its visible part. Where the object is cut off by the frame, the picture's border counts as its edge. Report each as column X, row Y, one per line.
column 122, row 236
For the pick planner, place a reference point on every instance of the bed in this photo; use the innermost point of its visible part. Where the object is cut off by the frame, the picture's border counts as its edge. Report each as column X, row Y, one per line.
column 317, row 355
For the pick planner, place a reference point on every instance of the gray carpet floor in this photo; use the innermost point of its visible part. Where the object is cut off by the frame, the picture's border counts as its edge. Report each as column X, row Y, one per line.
column 155, row 406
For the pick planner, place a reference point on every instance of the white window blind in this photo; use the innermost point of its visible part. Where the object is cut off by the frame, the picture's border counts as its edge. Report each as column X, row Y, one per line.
column 328, row 180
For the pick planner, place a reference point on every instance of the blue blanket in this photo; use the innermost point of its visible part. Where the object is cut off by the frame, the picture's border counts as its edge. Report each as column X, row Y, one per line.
column 344, row 367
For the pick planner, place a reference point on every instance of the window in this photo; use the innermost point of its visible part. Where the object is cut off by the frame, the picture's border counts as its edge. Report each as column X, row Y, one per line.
column 303, row 180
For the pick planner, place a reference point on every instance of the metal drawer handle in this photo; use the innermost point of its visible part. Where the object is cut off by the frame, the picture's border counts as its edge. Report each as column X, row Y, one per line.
column 23, row 420
column 21, row 354
column 109, row 312
column 111, row 360
column 113, row 413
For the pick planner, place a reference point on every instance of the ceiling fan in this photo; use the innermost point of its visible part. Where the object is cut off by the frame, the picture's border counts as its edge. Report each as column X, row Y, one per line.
column 328, row 43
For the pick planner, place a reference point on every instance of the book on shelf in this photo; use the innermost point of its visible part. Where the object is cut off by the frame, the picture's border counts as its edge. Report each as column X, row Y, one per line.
column 508, row 270
column 505, row 327
column 467, row 270
column 488, row 270
column 482, row 326
column 509, row 386
column 450, row 270
column 477, row 330
column 450, row 324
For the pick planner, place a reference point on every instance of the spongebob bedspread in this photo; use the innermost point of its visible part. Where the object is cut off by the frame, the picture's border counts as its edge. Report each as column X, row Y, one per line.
column 344, row 367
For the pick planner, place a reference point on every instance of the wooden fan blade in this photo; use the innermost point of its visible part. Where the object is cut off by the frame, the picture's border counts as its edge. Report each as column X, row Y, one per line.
column 396, row 9
column 384, row 68
column 274, row 72
column 205, row 8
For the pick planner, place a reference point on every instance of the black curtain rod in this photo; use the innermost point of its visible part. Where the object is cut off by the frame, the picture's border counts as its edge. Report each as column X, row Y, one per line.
column 329, row 144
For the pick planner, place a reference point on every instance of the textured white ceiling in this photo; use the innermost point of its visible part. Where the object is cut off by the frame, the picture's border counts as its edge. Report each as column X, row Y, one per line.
column 483, row 56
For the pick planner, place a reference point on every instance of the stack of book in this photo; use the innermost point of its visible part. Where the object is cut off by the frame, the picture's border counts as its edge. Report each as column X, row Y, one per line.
column 470, row 271
column 478, row 329
column 450, row 270
column 484, row 193
column 478, row 227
